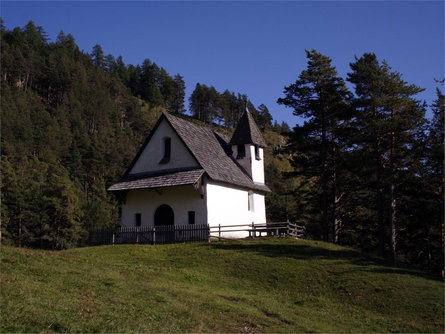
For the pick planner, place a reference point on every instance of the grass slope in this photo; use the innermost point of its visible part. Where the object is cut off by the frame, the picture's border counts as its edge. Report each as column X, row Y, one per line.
column 267, row 285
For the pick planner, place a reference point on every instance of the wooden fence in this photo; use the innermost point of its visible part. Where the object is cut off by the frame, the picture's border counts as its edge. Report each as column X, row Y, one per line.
column 296, row 231
column 150, row 235
column 258, row 230
column 189, row 233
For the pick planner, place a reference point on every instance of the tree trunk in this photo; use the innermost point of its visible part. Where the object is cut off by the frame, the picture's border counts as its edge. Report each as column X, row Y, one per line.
column 334, row 206
column 442, row 218
column 324, row 179
column 392, row 215
column 336, row 221
column 20, row 215
column 443, row 241
column 379, row 190
column 26, row 79
column 379, row 172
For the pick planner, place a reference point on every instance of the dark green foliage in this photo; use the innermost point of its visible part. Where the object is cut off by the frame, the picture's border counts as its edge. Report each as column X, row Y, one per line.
column 365, row 171
column 370, row 168
column 321, row 97
column 204, row 103
column 208, row 105
column 177, row 98
column 150, row 83
column 386, row 122
column 98, row 56
column 69, row 128
column 264, row 118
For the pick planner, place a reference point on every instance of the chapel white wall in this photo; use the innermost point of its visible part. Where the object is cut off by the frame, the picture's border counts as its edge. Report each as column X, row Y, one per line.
column 253, row 167
column 227, row 205
column 180, row 157
column 180, row 198
column 257, row 165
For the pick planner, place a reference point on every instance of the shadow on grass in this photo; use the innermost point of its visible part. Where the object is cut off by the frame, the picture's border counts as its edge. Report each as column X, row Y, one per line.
column 308, row 252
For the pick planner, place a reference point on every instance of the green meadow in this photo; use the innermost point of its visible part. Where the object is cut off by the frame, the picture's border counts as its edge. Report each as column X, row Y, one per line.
column 262, row 285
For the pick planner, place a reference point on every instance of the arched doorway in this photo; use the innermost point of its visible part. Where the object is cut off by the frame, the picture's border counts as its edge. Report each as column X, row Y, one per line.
column 164, row 215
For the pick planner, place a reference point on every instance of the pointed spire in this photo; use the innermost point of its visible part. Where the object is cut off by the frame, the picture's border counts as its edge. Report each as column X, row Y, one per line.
column 247, row 131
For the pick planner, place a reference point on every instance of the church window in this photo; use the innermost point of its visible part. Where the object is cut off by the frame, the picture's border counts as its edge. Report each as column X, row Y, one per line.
column 241, row 152
column 257, row 152
column 166, row 150
column 138, row 219
column 191, row 217
column 250, row 202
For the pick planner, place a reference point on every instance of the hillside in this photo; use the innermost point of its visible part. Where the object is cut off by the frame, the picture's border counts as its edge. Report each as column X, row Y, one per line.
column 71, row 124
column 267, row 285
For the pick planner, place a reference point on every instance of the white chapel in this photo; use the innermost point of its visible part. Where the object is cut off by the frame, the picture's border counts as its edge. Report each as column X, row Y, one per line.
column 186, row 173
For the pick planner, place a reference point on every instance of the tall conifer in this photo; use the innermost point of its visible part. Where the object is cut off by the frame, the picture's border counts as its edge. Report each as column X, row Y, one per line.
column 320, row 96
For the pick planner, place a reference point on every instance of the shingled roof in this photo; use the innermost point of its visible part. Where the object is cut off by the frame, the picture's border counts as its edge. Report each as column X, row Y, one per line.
column 210, row 149
column 156, row 180
column 247, row 132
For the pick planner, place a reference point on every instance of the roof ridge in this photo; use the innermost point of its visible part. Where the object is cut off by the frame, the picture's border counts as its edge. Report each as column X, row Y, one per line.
column 180, row 117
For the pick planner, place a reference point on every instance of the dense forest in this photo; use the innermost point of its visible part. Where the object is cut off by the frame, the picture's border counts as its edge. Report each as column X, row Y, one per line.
column 365, row 169
column 369, row 164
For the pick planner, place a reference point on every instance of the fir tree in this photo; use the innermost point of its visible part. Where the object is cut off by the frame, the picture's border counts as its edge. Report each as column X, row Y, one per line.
column 178, row 95
column 387, row 119
column 320, row 96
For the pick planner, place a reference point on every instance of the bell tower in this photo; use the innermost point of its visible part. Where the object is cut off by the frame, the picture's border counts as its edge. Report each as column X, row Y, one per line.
column 247, row 147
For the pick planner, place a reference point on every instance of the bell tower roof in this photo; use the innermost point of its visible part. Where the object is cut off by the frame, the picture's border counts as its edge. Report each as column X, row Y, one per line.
column 247, row 132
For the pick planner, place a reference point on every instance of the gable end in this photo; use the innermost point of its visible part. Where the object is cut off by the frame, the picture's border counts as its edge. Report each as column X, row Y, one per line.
column 163, row 149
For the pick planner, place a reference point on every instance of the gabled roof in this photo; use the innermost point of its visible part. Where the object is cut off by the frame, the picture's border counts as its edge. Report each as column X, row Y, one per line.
column 210, row 149
column 247, row 132
column 165, row 178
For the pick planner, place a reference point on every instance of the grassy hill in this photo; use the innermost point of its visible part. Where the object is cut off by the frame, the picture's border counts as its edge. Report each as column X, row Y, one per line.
column 267, row 285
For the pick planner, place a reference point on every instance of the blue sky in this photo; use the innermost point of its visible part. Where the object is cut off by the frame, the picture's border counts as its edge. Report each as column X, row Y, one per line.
column 251, row 47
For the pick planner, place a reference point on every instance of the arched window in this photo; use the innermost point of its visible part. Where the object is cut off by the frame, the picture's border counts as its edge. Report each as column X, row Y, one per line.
column 166, row 150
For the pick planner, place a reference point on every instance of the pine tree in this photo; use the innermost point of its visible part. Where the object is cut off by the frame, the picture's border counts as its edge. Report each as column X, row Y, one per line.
column 73, row 117
column 178, row 95
column 367, row 77
column 149, row 83
column 110, row 63
column 436, row 170
column 197, row 102
column 386, row 119
column 62, row 209
column 264, row 116
column 98, row 56
column 167, row 89
column 122, row 70
column 320, row 96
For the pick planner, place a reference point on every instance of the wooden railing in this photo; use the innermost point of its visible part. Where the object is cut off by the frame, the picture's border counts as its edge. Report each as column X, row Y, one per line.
column 190, row 233
column 150, row 235
column 297, row 231
column 257, row 230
